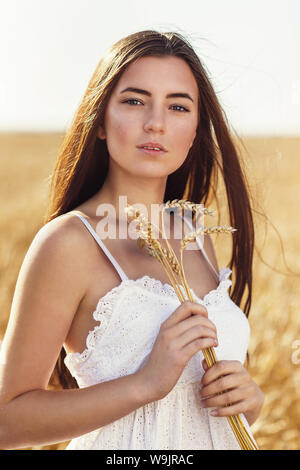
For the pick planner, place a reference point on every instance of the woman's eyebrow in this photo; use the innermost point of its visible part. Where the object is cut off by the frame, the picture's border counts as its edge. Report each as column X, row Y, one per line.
column 170, row 95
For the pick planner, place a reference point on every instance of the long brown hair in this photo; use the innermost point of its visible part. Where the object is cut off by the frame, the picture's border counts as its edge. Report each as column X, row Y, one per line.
column 82, row 163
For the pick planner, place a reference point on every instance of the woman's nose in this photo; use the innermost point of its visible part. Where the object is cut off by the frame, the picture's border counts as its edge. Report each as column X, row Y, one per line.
column 155, row 121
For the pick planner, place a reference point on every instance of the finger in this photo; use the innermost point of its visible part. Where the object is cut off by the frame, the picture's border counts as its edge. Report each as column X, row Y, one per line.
column 185, row 310
column 197, row 345
column 233, row 410
column 199, row 320
column 221, row 368
column 226, row 399
column 193, row 322
column 222, row 384
column 192, row 334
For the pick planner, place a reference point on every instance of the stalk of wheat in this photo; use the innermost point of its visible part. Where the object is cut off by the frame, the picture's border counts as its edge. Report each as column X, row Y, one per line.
column 176, row 275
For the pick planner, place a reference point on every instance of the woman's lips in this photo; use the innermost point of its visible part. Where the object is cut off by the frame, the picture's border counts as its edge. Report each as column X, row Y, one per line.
column 151, row 152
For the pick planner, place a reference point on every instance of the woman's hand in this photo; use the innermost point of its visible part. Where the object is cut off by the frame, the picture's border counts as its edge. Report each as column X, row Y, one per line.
column 238, row 389
column 184, row 333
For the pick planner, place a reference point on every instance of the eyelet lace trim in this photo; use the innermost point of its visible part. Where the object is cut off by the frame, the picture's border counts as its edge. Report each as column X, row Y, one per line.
column 212, row 297
column 106, row 304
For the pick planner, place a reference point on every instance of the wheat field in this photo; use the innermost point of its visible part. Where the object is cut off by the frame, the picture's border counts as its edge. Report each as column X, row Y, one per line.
column 273, row 169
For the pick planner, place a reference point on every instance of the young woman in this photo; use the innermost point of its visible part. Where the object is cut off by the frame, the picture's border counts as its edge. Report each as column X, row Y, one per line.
column 103, row 316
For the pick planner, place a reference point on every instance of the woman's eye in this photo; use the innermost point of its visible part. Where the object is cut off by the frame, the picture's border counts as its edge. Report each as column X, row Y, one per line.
column 130, row 101
column 182, row 108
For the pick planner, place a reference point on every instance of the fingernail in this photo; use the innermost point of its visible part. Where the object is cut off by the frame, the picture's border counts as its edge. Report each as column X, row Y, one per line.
column 214, row 413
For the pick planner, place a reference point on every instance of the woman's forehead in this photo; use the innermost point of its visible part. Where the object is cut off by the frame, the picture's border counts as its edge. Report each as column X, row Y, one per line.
column 169, row 74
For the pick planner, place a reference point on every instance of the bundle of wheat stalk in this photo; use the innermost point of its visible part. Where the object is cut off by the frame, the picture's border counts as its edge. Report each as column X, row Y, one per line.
column 175, row 270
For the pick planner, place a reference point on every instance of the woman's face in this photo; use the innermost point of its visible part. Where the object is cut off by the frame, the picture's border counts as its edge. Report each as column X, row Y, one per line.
column 133, row 118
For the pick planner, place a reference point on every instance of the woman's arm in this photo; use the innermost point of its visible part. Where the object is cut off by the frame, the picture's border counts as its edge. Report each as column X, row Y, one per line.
column 52, row 281
column 41, row 417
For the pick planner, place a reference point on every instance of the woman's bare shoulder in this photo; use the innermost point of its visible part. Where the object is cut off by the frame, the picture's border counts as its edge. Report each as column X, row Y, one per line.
column 60, row 242
column 64, row 233
column 61, row 228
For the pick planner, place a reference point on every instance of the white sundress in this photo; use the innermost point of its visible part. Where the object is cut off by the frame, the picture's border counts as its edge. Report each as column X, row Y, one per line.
column 130, row 316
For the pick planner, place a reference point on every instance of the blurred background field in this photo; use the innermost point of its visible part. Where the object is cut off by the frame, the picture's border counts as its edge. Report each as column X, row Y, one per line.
column 273, row 168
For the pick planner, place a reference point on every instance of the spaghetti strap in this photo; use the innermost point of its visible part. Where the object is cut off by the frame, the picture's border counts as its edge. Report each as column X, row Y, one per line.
column 101, row 244
column 200, row 245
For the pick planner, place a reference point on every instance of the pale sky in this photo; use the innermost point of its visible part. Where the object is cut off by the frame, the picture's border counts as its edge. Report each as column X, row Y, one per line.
column 50, row 48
